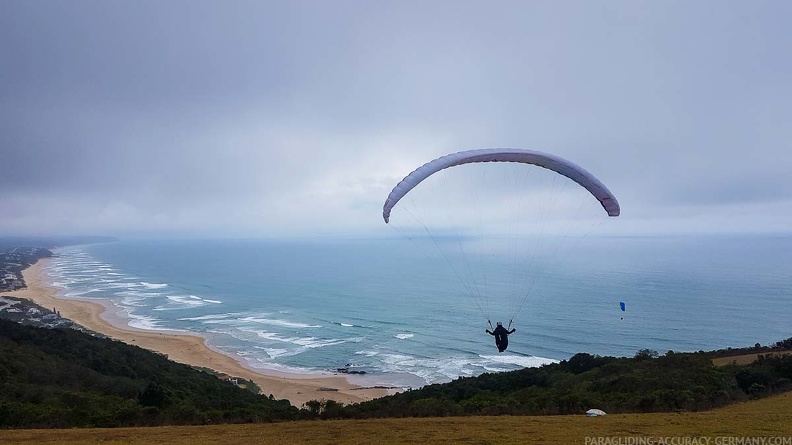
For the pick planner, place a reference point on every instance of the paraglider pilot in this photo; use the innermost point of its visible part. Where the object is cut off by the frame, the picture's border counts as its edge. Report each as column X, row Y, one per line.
column 501, row 336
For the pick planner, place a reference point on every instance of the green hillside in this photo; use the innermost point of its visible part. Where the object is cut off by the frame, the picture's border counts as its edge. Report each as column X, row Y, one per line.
column 55, row 378
column 760, row 421
column 58, row 378
column 644, row 383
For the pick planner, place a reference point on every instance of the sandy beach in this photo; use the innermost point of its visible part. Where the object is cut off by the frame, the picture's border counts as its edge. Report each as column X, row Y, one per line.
column 190, row 349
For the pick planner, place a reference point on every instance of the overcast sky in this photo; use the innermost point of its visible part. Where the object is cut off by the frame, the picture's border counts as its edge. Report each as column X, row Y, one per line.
column 232, row 118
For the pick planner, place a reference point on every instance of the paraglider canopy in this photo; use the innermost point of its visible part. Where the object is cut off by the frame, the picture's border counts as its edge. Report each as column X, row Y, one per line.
column 623, row 306
column 498, row 222
column 548, row 161
column 595, row 413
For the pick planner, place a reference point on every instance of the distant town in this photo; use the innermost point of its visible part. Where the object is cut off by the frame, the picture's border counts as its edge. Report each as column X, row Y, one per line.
column 18, row 253
column 13, row 261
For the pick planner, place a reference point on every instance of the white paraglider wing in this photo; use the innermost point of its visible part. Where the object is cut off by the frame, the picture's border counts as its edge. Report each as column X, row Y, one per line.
column 548, row 161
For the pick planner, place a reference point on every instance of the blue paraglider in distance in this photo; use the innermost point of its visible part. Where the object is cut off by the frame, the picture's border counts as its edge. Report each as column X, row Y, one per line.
column 623, row 307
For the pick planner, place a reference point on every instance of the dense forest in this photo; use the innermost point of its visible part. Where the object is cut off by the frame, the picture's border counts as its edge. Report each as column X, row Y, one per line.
column 644, row 383
column 57, row 378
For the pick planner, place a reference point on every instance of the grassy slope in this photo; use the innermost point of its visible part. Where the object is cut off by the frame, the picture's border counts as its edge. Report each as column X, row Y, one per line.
column 767, row 417
column 744, row 359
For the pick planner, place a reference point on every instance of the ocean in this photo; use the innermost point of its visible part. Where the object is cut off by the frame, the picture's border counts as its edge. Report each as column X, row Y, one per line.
column 385, row 307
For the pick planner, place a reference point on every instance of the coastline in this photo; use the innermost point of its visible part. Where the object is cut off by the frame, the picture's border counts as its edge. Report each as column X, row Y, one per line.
column 190, row 349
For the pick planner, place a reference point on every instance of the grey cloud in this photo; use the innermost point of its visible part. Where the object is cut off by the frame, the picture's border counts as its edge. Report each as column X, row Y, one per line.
column 150, row 116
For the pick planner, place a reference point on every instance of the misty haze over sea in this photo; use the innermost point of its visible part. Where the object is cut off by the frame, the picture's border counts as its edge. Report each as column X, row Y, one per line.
column 384, row 307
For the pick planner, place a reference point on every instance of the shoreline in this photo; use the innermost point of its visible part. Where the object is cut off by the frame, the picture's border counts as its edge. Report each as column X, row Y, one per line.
column 190, row 349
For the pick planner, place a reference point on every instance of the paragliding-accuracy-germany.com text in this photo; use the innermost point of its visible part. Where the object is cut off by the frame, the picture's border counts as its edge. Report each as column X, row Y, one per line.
column 689, row 440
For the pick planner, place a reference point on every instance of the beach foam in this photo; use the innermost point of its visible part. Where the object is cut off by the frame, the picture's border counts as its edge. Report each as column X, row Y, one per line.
column 277, row 322
column 153, row 285
column 300, row 294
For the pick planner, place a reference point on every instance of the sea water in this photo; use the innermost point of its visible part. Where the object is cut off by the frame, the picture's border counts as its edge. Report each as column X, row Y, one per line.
column 385, row 307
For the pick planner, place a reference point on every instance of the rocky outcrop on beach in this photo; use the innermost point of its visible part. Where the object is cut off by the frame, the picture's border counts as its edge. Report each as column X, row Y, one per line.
column 24, row 311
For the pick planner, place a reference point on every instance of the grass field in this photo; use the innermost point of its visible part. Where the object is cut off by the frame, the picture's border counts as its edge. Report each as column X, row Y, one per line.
column 771, row 417
column 744, row 359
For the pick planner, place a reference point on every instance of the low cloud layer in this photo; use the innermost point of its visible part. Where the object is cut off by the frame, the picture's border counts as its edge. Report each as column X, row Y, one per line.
column 296, row 118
